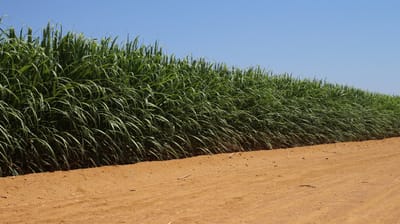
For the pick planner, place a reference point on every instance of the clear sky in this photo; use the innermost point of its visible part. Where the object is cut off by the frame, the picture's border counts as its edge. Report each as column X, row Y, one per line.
column 352, row 42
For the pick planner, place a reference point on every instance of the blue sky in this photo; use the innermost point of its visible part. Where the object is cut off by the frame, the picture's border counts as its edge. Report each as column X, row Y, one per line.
column 350, row 42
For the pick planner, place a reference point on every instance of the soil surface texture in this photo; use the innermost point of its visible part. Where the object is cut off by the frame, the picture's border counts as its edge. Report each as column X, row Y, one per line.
column 355, row 182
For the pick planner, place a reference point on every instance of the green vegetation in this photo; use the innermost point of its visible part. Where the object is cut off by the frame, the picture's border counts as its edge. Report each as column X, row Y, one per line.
column 67, row 102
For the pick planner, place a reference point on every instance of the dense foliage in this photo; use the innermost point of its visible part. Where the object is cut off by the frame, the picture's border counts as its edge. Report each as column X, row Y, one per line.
column 67, row 101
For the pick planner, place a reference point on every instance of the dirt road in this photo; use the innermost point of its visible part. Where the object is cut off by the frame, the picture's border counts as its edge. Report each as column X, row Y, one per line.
column 355, row 182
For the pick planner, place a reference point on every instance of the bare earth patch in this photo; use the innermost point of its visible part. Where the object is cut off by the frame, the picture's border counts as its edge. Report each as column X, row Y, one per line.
column 356, row 182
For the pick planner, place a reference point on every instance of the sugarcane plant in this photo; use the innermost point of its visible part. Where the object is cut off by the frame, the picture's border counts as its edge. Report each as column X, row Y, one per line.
column 67, row 101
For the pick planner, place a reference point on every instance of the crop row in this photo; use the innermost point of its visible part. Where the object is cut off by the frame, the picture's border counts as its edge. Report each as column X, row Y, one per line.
column 67, row 101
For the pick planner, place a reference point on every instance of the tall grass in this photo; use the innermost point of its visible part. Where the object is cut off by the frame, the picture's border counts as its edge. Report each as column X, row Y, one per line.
column 67, row 102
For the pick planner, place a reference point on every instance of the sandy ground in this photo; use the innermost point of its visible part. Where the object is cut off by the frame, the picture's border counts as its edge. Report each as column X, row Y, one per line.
column 355, row 182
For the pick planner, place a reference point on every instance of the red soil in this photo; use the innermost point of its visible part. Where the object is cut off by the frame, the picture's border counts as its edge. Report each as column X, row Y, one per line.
column 356, row 182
